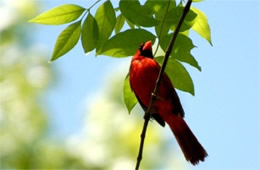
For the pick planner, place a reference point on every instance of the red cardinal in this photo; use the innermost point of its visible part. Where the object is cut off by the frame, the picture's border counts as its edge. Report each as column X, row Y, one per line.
column 167, row 108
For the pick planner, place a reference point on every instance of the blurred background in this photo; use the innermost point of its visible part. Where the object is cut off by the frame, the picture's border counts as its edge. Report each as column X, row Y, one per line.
column 69, row 114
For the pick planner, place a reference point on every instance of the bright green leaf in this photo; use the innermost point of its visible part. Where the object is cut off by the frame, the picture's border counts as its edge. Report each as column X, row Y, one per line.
column 181, row 50
column 129, row 96
column 136, row 13
column 67, row 39
column 120, row 20
column 197, row 0
column 156, row 5
column 173, row 17
column 179, row 75
column 106, row 20
column 60, row 15
column 89, row 33
column 126, row 43
column 201, row 25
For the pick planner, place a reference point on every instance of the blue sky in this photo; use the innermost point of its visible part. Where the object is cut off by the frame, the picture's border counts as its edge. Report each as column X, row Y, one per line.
column 224, row 114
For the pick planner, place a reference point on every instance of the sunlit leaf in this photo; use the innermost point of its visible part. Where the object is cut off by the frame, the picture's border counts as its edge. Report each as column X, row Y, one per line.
column 136, row 13
column 120, row 20
column 126, row 43
column 197, row 0
column 182, row 49
column 129, row 96
column 179, row 75
column 201, row 25
column 89, row 33
column 156, row 5
column 67, row 39
column 60, row 15
column 174, row 15
column 106, row 20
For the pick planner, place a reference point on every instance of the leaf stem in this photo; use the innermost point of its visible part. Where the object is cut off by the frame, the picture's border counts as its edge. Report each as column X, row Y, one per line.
column 85, row 13
column 158, row 82
column 93, row 5
column 88, row 10
column 163, row 21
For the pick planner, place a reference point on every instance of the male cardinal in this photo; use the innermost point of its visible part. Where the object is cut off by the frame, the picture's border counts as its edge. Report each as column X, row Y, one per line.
column 167, row 108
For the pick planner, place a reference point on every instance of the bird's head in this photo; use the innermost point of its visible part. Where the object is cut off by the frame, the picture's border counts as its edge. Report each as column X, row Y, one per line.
column 146, row 49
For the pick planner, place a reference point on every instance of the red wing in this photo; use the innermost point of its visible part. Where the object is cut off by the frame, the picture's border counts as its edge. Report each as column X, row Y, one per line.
column 155, row 116
column 172, row 95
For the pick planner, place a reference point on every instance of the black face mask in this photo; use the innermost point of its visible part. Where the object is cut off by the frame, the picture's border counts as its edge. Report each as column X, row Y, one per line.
column 145, row 53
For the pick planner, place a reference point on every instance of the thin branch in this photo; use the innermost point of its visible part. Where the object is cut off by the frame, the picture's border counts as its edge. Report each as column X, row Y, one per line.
column 139, row 157
column 93, row 5
column 158, row 82
column 88, row 9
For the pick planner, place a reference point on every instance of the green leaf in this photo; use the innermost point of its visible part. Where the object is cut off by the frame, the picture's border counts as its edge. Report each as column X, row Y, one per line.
column 60, row 15
column 126, row 43
column 179, row 76
column 89, row 33
column 173, row 17
column 106, row 20
column 67, row 39
column 130, row 24
column 120, row 20
column 136, row 13
column 162, row 28
column 201, row 25
column 129, row 96
column 181, row 50
column 197, row 0
column 156, row 5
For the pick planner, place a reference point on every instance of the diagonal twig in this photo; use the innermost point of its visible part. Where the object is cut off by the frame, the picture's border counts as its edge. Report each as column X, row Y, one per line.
column 147, row 115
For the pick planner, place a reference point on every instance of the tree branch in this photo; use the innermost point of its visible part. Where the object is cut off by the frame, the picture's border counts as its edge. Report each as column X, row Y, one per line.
column 147, row 115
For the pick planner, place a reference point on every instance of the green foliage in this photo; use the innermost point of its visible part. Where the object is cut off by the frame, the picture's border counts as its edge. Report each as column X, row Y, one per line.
column 125, row 43
column 120, row 20
column 201, row 25
column 178, row 75
column 106, row 20
column 182, row 50
column 89, row 34
column 60, row 15
column 197, row 0
column 97, row 32
column 155, row 6
column 129, row 96
column 172, row 22
column 130, row 24
column 136, row 13
column 67, row 39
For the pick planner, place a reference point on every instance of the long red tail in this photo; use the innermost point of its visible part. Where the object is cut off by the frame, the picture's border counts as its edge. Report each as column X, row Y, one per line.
column 190, row 146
